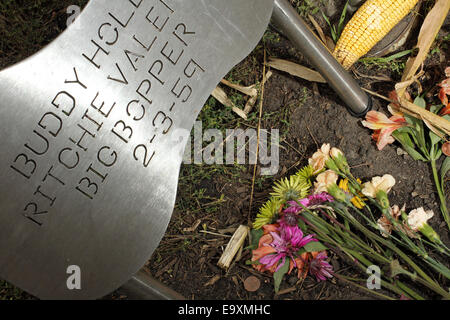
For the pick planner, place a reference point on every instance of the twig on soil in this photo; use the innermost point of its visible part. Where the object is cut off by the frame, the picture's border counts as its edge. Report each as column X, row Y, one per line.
column 167, row 267
column 251, row 102
column 377, row 95
column 286, row 291
column 293, row 148
column 249, row 91
column 252, row 271
column 222, row 97
column 361, row 165
column 258, row 139
column 215, row 234
column 321, row 291
column 193, row 227
column 212, row 281
column 312, row 136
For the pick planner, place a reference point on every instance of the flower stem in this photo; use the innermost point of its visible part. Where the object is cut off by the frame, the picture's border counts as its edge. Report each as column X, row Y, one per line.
column 355, row 257
column 440, row 193
column 394, row 248
column 409, row 291
column 353, row 282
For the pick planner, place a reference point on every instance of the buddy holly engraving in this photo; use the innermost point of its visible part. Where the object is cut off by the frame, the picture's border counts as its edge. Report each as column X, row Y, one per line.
column 159, row 50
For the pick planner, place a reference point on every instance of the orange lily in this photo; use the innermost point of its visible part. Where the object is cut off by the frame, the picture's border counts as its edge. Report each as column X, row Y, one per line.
column 301, row 266
column 384, row 126
column 264, row 250
column 268, row 228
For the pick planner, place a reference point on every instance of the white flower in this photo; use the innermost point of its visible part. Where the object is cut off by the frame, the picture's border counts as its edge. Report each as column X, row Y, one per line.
column 385, row 225
column 318, row 159
column 385, row 183
column 335, row 153
column 324, row 180
column 418, row 218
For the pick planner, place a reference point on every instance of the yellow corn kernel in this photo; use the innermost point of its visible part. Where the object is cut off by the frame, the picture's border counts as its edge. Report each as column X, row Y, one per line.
column 371, row 23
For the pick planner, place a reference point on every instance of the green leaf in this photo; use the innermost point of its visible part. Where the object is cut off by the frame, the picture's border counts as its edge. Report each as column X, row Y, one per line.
column 314, row 246
column 302, row 225
column 435, row 139
column 444, row 169
column 412, row 133
column 435, row 109
column 404, row 138
column 418, row 134
column 419, row 101
column 438, row 153
column 255, row 235
column 279, row 275
column 341, row 20
column 408, row 145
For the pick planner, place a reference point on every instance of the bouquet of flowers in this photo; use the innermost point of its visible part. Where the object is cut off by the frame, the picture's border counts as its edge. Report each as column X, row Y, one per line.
column 323, row 207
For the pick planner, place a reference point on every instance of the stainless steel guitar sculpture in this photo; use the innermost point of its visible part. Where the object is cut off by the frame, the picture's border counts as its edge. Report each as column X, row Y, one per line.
column 93, row 132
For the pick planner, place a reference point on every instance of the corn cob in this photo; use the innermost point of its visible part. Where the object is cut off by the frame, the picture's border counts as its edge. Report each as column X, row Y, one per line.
column 371, row 23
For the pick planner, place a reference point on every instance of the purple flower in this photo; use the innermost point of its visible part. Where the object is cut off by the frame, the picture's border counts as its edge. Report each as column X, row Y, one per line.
column 289, row 219
column 320, row 268
column 309, row 201
column 287, row 242
column 294, row 207
column 320, row 198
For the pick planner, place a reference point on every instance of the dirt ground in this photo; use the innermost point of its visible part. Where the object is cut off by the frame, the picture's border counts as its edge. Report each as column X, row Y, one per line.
column 216, row 198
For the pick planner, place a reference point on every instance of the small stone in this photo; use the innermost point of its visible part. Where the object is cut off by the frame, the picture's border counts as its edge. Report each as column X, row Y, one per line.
column 252, row 284
column 352, row 154
column 414, row 194
column 401, row 152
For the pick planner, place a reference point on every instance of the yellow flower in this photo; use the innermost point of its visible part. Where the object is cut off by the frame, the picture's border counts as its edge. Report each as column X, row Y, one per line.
column 306, row 175
column 267, row 213
column 293, row 188
column 358, row 201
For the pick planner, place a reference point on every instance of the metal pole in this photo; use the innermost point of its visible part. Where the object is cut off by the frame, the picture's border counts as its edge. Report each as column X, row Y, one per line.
column 144, row 287
column 289, row 22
